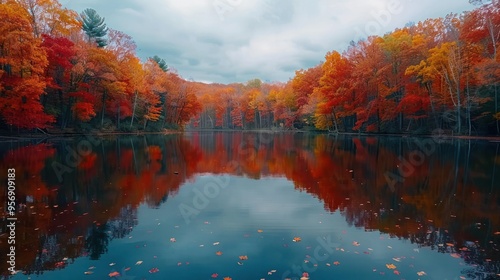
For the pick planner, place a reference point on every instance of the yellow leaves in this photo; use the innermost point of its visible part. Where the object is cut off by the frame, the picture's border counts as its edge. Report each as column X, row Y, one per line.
column 390, row 266
column 496, row 116
column 228, row 278
column 260, row 231
column 421, row 273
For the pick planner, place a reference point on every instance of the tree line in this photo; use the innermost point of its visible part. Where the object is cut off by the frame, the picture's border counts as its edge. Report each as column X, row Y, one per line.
column 439, row 74
column 60, row 69
column 67, row 70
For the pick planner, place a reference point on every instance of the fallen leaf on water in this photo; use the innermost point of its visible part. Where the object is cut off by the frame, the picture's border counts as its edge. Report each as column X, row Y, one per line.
column 455, row 255
column 260, row 231
column 355, row 243
column 218, row 253
column 228, row 278
column 111, row 264
column 216, row 243
column 153, row 270
column 336, row 262
column 245, row 257
column 328, row 264
column 396, row 272
column 297, row 239
column 172, row 239
column 450, row 244
column 390, row 266
column 421, row 273
column 88, row 272
column 138, row 263
column 114, row 274
column 397, row 259
column 240, row 263
column 215, row 275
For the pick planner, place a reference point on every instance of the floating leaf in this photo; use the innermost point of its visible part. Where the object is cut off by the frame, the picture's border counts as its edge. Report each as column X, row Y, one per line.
column 218, row 253
column 216, row 243
column 153, row 270
column 172, row 239
column 355, row 243
column 111, row 264
column 455, row 255
column 336, row 262
column 390, row 266
column 228, row 278
column 215, row 275
column 260, row 231
column 88, row 272
column 297, row 239
column 245, row 257
column 421, row 273
column 114, row 274
column 396, row 272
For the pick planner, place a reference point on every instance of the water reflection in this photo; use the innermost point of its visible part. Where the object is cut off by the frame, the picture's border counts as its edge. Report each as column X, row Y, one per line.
column 444, row 196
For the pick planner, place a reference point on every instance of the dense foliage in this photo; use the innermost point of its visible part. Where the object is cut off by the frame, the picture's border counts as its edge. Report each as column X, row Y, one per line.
column 69, row 71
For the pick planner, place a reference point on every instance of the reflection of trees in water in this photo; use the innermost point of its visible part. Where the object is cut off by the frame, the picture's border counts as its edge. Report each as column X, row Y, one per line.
column 450, row 199
column 122, row 225
column 99, row 236
column 97, row 241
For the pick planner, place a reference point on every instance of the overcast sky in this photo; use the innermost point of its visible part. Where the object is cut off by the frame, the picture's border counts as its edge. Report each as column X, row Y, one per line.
column 228, row 41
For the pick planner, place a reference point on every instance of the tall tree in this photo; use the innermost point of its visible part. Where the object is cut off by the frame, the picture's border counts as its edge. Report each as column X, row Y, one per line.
column 94, row 26
column 22, row 67
column 161, row 63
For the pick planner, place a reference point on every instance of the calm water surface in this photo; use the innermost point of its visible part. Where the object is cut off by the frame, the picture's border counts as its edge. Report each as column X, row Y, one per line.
column 212, row 205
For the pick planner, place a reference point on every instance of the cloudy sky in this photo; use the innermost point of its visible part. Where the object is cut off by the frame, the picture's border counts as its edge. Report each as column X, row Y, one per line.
column 228, row 41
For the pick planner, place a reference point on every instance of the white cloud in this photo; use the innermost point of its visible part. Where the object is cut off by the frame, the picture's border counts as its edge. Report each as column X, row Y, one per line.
column 267, row 39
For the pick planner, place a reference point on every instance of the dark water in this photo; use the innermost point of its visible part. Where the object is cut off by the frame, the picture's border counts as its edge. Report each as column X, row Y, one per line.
column 253, row 206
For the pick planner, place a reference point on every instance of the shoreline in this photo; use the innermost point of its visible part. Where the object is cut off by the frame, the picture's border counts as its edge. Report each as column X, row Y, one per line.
column 29, row 136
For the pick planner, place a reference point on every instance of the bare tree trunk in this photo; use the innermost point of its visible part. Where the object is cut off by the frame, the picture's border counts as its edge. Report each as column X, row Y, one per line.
column 103, row 107
column 133, row 110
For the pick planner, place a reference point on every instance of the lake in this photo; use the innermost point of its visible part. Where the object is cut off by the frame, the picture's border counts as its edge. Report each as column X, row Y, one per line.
column 241, row 205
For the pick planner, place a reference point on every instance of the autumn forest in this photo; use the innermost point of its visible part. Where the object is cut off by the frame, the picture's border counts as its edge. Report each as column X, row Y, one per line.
column 65, row 71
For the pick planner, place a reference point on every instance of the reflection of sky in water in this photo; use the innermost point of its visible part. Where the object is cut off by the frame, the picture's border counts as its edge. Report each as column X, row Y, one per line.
column 233, row 218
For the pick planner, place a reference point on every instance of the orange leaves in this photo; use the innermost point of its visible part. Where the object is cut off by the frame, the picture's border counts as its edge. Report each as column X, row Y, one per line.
column 390, row 266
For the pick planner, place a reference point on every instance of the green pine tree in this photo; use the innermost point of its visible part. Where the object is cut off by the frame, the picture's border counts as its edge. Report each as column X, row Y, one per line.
column 161, row 62
column 94, row 26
